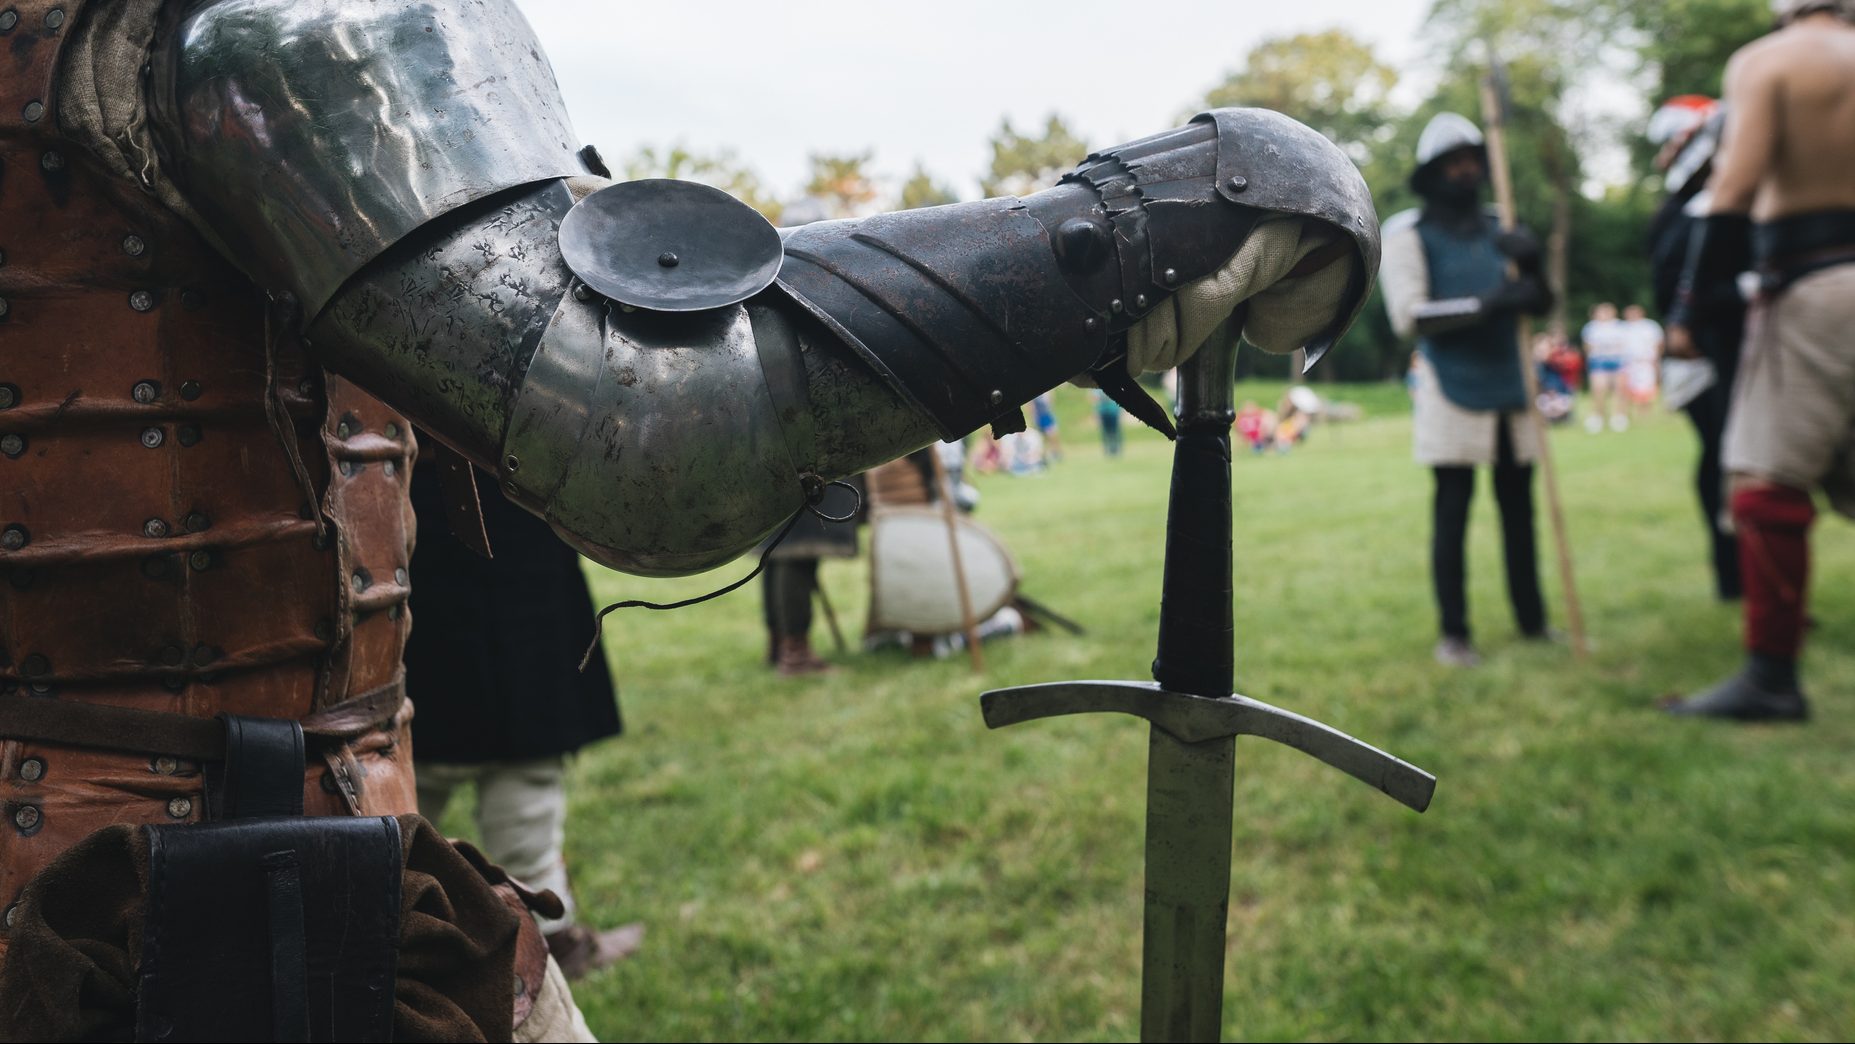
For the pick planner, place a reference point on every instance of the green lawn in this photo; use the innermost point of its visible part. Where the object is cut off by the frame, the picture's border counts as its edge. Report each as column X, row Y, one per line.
column 856, row 857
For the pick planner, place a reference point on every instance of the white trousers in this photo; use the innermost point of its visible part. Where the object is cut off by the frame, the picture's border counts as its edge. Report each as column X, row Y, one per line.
column 522, row 813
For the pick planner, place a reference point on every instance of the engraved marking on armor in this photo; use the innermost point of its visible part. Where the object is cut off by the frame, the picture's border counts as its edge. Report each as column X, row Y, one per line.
column 197, row 522
column 1239, row 183
column 54, row 18
column 13, row 445
column 145, row 392
column 28, row 819
column 32, row 111
column 189, row 434
column 15, row 537
column 133, row 245
column 32, row 770
column 8, row 19
column 179, row 808
column 155, row 528
column 190, row 390
column 142, row 300
column 200, row 560
column 153, row 437
column 52, row 161
column 165, row 765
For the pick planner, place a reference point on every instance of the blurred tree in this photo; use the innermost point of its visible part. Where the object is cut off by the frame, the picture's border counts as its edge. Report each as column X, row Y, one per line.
column 842, row 183
column 1332, row 81
column 720, row 169
column 1687, row 42
column 1022, row 164
column 921, row 190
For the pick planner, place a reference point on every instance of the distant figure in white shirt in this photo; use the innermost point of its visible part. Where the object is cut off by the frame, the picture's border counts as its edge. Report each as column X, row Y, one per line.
column 1642, row 339
column 1605, row 353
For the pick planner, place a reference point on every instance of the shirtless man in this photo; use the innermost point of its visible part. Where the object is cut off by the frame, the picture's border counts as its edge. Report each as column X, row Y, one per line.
column 1784, row 206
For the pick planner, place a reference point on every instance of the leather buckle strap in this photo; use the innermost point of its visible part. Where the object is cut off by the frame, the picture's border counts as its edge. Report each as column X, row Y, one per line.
column 76, row 724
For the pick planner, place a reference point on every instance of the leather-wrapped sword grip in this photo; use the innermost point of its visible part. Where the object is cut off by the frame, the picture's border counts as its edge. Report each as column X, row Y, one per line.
column 1195, row 625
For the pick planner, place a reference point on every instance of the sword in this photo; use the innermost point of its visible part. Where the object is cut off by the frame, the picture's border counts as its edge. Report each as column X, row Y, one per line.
column 1195, row 720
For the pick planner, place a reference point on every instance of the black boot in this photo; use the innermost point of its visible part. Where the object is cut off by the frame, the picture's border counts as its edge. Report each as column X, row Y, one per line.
column 1764, row 690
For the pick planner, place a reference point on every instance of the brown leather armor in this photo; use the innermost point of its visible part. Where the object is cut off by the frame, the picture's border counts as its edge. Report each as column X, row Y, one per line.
column 195, row 518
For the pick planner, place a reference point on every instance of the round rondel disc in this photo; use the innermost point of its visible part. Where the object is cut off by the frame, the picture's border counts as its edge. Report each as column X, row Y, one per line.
column 670, row 246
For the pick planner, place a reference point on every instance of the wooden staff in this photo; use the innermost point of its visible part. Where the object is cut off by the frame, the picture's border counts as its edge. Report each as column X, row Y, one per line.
column 830, row 617
column 1502, row 177
column 950, row 512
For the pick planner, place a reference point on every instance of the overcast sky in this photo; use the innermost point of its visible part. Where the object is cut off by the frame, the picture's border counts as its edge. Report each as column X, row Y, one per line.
column 927, row 81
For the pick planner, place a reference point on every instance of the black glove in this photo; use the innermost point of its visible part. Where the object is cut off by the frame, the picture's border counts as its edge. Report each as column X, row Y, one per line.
column 1527, row 294
column 1521, row 247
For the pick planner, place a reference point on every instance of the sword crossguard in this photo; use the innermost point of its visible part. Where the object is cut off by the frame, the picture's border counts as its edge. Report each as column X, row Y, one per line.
column 1195, row 719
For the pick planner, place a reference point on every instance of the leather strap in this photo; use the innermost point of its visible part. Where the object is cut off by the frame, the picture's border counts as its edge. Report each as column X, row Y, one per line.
column 463, row 509
column 263, row 767
column 76, row 724
column 289, row 946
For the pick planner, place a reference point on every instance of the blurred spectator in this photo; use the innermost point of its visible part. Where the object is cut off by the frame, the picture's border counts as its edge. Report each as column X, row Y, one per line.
column 1605, row 355
column 1108, row 417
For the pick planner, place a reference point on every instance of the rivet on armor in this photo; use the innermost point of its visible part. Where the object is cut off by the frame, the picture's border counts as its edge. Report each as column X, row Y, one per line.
column 190, row 390
column 4, row 308
column 343, row 430
column 520, row 986
column 153, row 437
column 1239, row 183
column 200, row 560
column 14, row 538
column 154, row 567
column 54, row 18
column 12, row 445
column 360, row 580
column 189, row 435
column 395, row 612
column 8, row 19
column 512, row 462
column 1171, row 276
column 346, row 468
column 1115, row 306
column 142, row 300
column 12, row 912
column 155, row 528
column 1139, row 300
column 9, row 396
column 27, row 817
column 204, row 654
column 1090, row 324
column 582, row 292
column 165, row 765
column 399, row 576
column 180, row 807
column 32, row 770
column 145, row 392
column 392, row 430
column 197, row 522
column 35, row 666
column 510, row 487
column 39, row 688
column 997, row 397
column 306, row 387
column 192, row 300
column 133, row 245
column 51, row 161
column 391, row 469
column 173, row 655
column 32, row 111
column 668, row 259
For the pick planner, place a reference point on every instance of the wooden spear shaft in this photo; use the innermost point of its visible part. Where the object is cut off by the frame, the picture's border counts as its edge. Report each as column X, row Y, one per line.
column 950, row 512
column 1504, row 200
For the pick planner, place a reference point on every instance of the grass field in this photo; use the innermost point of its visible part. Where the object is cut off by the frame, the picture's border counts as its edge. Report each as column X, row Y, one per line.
column 855, row 857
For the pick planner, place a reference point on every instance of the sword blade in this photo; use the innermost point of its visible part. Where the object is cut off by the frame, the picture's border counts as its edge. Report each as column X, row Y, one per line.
column 1189, row 807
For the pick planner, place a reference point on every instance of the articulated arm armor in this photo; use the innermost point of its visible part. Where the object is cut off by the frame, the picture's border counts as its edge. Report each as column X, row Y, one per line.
column 404, row 174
